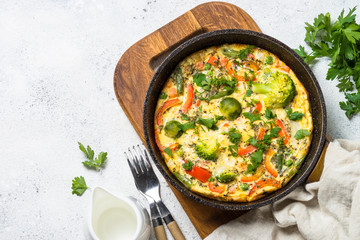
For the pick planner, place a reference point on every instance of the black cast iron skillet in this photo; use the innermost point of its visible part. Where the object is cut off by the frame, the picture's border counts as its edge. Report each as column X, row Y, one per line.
column 274, row 46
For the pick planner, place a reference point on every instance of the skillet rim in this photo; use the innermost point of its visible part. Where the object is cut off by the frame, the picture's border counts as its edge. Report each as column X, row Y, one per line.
column 290, row 186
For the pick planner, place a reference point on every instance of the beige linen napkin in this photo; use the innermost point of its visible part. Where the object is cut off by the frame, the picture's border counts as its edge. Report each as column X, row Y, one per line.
column 328, row 209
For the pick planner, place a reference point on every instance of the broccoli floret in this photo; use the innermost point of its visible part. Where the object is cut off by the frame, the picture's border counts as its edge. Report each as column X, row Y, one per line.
column 207, row 149
column 225, row 176
column 279, row 90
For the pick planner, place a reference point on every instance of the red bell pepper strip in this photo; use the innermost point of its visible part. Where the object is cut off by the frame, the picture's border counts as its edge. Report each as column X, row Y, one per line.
column 240, row 78
column 199, row 173
column 212, row 60
column 247, row 150
column 223, row 62
column 168, row 104
column 283, row 133
column 189, row 98
column 261, row 134
column 174, row 146
column 263, row 183
column 230, row 69
column 258, row 107
column 249, row 178
column 269, row 154
column 198, row 102
column 218, row 189
column 200, row 65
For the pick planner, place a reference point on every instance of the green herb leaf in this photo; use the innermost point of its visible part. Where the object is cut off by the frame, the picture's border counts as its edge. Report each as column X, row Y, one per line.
column 210, row 123
column 168, row 151
column 338, row 41
column 252, row 116
column 163, row 95
column 184, row 127
column 269, row 114
column 300, row 134
column 294, row 116
column 185, row 117
column 233, row 150
column 88, row 151
column 188, row 165
column 93, row 163
column 235, row 137
column 255, row 160
column 79, row 186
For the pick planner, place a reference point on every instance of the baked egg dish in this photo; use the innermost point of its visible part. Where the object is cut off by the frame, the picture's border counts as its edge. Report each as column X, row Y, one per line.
column 233, row 122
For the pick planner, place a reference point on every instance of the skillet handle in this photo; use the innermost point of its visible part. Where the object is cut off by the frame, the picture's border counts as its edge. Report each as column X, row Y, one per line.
column 167, row 38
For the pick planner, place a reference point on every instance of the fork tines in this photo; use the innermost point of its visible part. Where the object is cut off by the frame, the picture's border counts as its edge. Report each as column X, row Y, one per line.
column 138, row 159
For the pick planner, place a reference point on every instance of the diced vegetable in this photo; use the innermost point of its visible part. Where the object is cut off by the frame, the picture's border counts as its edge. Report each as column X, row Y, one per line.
column 263, row 183
column 168, row 104
column 184, row 180
column 230, row 108
column 245, row 151
column 217, row 189
column 268, row 165
column 189, row 98
column 199, row 173
column 179, row 82
column 283, row 133
column 212, row 60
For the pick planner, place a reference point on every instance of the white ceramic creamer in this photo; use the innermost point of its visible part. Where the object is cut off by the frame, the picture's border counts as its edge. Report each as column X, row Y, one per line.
column 115, row 218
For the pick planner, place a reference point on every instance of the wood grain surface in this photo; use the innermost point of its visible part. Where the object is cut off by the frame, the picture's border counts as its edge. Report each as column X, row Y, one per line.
column 138, row 64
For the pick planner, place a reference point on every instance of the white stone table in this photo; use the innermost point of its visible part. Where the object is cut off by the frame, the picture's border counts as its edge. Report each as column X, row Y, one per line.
column 57, row 60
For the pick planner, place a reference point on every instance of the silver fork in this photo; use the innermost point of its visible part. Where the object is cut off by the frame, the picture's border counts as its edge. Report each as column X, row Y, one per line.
column 148, row 184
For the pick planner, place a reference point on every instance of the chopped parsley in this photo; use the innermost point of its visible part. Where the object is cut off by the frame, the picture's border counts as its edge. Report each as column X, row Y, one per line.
column 294, row 116
column 300, row 134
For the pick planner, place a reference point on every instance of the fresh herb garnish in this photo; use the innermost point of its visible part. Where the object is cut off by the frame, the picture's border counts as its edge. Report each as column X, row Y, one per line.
column 233, row 150
column 207, row 66
column 201, row 81
column 163, row 95
column 256, row 159
column 248, row 93
column 168, row 151
column 188, row 165
column 186, row 126
column 269, row 114
column 252, row 116
column 79, row 185
column 210, row 123
column 294, row 116
column 300, row 134
column 185, row 117
column 340, row 42
column 93, row 163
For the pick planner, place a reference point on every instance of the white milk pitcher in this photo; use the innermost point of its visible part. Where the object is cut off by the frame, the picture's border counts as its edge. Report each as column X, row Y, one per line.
column 113, row 217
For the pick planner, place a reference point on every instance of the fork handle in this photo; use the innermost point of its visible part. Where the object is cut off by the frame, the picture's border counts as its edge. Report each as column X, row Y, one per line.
column 173, row 227
column 159, row 229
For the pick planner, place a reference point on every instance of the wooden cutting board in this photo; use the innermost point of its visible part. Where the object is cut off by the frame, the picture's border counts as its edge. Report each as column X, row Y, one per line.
column 138, row 64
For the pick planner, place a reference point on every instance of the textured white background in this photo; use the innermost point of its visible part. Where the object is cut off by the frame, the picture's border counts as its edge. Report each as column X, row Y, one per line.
column 57, row 60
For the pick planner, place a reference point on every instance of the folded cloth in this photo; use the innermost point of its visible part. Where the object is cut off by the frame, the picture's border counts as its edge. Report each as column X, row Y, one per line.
column 328, row 209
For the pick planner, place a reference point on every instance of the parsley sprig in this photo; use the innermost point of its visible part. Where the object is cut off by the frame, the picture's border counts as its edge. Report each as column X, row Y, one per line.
column 92, row 163
column 79, row 185
column 339, row 41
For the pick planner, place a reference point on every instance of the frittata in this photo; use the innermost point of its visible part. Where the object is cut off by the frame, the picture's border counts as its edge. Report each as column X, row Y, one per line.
column 233, row 122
